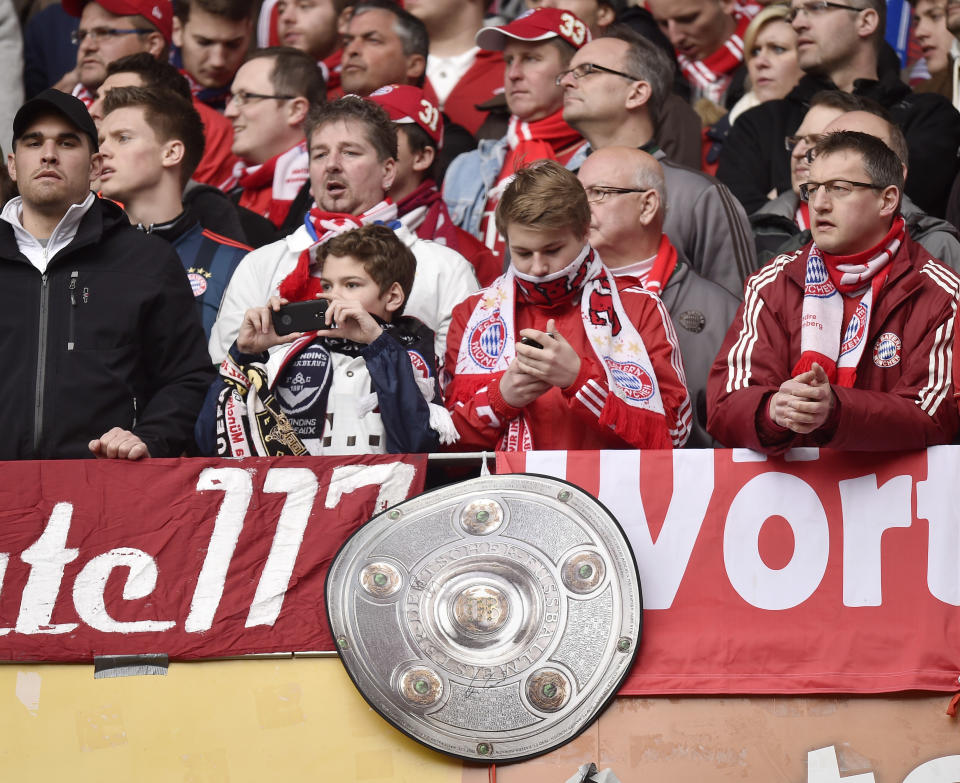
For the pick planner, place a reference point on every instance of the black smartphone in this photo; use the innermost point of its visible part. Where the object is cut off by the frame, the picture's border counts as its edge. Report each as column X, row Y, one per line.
column 531, row 342
column 301, row 316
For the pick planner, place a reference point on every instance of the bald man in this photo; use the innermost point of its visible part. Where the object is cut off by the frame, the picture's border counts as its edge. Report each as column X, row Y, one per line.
column 626, row 190
column 937, row 236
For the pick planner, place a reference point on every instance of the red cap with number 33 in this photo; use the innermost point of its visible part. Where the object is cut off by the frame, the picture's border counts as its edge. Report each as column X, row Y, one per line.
column 537, row 24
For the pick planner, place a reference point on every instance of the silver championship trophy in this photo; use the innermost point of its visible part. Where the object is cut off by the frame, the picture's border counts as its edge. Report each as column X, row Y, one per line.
column 491, row 619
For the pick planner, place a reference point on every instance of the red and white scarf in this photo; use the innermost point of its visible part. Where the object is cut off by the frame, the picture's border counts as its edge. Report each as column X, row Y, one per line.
column 270, row 188
column 489, row 345
column 828, row 280
column 711, row 76
column 300, row 284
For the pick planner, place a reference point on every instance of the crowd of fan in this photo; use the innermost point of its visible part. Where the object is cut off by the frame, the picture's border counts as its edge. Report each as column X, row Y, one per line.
column 550, row 224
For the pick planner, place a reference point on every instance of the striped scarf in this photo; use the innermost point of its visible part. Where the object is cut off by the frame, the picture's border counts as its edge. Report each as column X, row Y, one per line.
column 828, row 279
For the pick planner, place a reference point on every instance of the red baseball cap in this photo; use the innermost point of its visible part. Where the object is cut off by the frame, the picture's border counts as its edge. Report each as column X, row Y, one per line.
column 408, row 104
column 537, row 24
column 158, row 12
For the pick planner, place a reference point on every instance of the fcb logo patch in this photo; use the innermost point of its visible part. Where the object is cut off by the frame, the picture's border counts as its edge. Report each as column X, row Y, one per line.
column 632, row 378
column 886, row 350
column 198, row 280
column 487, row 340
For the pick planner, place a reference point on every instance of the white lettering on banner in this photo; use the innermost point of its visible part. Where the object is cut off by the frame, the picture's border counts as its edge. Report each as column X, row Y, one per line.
column 662, row 564
column 868, row 510
column 936, row 502
column 46, row 558
column 822, row 767
column 942, row 770
column 237, row 487
column 300, row 486
column 394, row 479
column 764, row 496
column 92, row 580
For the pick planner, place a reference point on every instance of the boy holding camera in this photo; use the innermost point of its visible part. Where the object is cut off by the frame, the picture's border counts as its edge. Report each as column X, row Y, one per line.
column 363, row 383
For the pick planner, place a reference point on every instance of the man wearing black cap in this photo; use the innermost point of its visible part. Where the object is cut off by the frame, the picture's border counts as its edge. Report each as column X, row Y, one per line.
column 99, row 318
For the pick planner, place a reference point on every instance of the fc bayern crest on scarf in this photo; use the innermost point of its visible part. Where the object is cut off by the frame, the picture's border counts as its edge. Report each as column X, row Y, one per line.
column 886, row 350
column 487, row 341
column 632, row 378
column 420, row 367
column 855, row 329
column 818, row 281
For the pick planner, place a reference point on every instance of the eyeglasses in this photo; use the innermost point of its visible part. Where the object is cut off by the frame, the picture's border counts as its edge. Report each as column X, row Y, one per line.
column 811, row 140
column 242, row 97
column 77, row 37
column 585, row 69
column 835, row 188
column 597, row 194
column 817, row 7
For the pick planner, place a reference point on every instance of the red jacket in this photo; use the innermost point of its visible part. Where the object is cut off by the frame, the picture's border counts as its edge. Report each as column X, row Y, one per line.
column 481, row 81
column 559, row 419
column 903, row 396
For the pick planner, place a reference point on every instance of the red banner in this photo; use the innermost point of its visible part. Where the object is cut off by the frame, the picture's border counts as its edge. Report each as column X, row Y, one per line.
column 817, row 573
column 193, row 558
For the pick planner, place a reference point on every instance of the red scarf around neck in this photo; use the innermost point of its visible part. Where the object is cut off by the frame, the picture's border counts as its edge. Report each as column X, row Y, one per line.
column 663, row 266
column 300, row 285
column 435, row 223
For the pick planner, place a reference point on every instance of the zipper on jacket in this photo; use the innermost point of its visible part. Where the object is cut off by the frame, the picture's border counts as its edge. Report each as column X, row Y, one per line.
column 73, row 308
column 41, row 360
column 134, row 413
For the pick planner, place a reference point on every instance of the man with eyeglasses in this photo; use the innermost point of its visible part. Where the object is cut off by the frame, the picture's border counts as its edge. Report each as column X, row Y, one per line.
column 847, row 344
column 628, row 197
column 783, row 225
column 269, row 100
column 612, row 94
column 537, row 47
column 839, row 46
column 110, row 29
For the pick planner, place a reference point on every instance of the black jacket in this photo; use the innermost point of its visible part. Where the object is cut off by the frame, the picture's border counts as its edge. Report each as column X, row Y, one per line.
column 755, row 161
column 108, row 337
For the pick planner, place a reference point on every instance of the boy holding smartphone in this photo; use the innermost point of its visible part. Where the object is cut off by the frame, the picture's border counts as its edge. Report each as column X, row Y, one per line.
column 558, row 353
column 364, row 384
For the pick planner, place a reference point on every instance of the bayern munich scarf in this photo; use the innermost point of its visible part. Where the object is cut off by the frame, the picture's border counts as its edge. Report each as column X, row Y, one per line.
column 711, row 76
column 828, row 279
column 300, row 284
column 489, row 346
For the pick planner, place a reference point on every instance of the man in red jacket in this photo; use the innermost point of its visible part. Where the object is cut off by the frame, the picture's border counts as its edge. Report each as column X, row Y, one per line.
column 846, row 344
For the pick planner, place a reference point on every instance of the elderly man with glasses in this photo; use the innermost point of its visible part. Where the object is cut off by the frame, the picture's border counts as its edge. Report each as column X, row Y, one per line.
column 840, row 47
column 612, row 94
column 627, row 194
column 848, row 343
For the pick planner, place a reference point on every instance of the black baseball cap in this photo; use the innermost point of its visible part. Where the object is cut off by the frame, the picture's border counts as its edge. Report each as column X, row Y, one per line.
column 51, row 100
